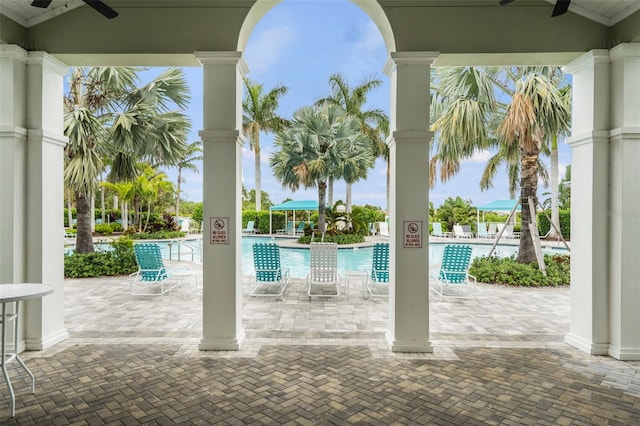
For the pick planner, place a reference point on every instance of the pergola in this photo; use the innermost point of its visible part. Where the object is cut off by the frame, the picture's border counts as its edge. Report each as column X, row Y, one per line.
column 294, row 206
column 598, row 43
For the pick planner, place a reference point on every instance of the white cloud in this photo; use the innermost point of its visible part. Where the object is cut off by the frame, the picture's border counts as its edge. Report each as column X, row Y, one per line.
column 481, row 157
column 267, row 48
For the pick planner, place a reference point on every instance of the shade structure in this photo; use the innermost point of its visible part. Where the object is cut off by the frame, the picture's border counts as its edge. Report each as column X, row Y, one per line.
column 497, row 206
column 293, row 205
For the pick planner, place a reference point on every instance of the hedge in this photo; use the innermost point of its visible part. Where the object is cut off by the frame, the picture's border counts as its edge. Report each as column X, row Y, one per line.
column 565, row 223
column 261, row 220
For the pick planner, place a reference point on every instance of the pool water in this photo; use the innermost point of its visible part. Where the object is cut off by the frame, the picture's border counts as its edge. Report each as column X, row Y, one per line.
column 349, row 259
column 359, row 259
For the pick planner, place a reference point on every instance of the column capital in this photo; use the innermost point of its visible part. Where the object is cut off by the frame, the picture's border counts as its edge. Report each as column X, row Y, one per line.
column 625, row 50
column 48, row 62
column 223, row 58
column 13, row 51
column 409, row 58
column 587, row 60
column 596, row 136
column 43, row 136
column 221, row 136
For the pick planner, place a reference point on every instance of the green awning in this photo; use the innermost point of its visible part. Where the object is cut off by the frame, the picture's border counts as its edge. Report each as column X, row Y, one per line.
column 499, row 206
column 296, row 205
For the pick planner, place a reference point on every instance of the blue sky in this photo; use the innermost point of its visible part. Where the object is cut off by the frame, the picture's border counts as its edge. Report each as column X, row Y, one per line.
column 299, row 44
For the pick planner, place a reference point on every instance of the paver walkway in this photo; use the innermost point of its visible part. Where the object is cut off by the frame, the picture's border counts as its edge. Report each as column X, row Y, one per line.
column 499, row 360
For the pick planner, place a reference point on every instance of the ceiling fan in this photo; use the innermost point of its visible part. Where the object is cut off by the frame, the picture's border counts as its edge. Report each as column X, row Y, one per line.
column 96, row 4
column 561, row 7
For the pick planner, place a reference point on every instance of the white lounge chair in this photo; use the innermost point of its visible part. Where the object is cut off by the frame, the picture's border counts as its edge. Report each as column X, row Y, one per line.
column 383, row 229
column 437, row 230
column 458, row 232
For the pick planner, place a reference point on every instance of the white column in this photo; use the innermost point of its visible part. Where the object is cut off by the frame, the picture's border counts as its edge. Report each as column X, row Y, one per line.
column 13, row 164
column 222, row 151
column 409, row 200
column 44, row 318
column 589, row 328
column 624, row 203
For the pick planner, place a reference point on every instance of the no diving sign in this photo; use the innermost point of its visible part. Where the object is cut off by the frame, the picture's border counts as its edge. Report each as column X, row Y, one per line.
column 412, row 234
column 219, row 230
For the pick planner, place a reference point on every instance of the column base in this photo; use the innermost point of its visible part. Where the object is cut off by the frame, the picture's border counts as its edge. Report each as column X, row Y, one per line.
column 624, row 354
column 414, row 346
column 587, row 346
column 221, row 344
column 47, row 342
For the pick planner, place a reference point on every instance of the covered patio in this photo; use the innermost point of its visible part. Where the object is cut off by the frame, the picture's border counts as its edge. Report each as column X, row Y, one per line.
column 501, row 359
column 599, row 46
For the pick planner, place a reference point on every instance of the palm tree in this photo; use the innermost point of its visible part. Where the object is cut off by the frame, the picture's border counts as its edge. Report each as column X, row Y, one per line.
column 259, row 115
column 192, row 154
column 474, row 115
column 126, row 193
column 374, row 123
column 148, row 186
column 108, row 117
column 322, row 142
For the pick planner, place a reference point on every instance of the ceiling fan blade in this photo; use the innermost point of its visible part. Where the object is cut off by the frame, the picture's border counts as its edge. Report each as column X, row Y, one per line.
column 503, row 2
column 102, row 8
column 561, row 7
column 41, row 3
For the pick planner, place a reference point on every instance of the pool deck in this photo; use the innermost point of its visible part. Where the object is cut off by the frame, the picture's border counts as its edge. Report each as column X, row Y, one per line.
column 498, row 360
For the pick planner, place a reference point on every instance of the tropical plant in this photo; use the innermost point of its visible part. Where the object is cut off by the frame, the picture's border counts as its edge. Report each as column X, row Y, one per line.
column 374, row 123
column 148, row 186
column 564, row 190
column 456, row 211
column 192, row 154
column 516, row 110
column 259, row 115
column 125, row 192
column 110, row 120
column 321, row 142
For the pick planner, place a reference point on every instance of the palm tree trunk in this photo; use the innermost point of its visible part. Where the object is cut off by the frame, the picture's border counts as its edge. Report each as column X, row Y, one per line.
column 330, row 192
column 528, row 188
column 124, row 215
column 69, row 212
column 322, row 190
column 84, row 239
column 348, row 197
column 93, row 213
column 258, row 177
column 555, row 214
column 102, row 213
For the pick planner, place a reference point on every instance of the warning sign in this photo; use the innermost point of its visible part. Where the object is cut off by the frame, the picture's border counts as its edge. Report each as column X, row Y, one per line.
column 412, row 234
column 219, row 230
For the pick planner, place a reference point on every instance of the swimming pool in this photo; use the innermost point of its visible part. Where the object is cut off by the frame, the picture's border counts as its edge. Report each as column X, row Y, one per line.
column 349, row 259
column 297, row 259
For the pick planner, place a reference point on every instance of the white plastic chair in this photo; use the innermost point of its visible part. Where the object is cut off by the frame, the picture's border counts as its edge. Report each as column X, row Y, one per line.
column 323, row 270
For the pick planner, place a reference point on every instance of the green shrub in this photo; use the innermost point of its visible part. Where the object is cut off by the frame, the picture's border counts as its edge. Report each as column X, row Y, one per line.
column 261, row 220
column 118, row 261
column 116, row 227
column 508, row 271
column 338, row 238
column 160, row 235
column 565, row 223
column 104, row 229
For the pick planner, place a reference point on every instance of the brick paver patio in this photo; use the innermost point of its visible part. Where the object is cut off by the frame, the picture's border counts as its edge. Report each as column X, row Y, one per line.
column 498, row 360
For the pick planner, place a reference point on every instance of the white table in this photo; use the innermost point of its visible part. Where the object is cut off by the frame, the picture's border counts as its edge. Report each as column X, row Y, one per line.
column 14, row 293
